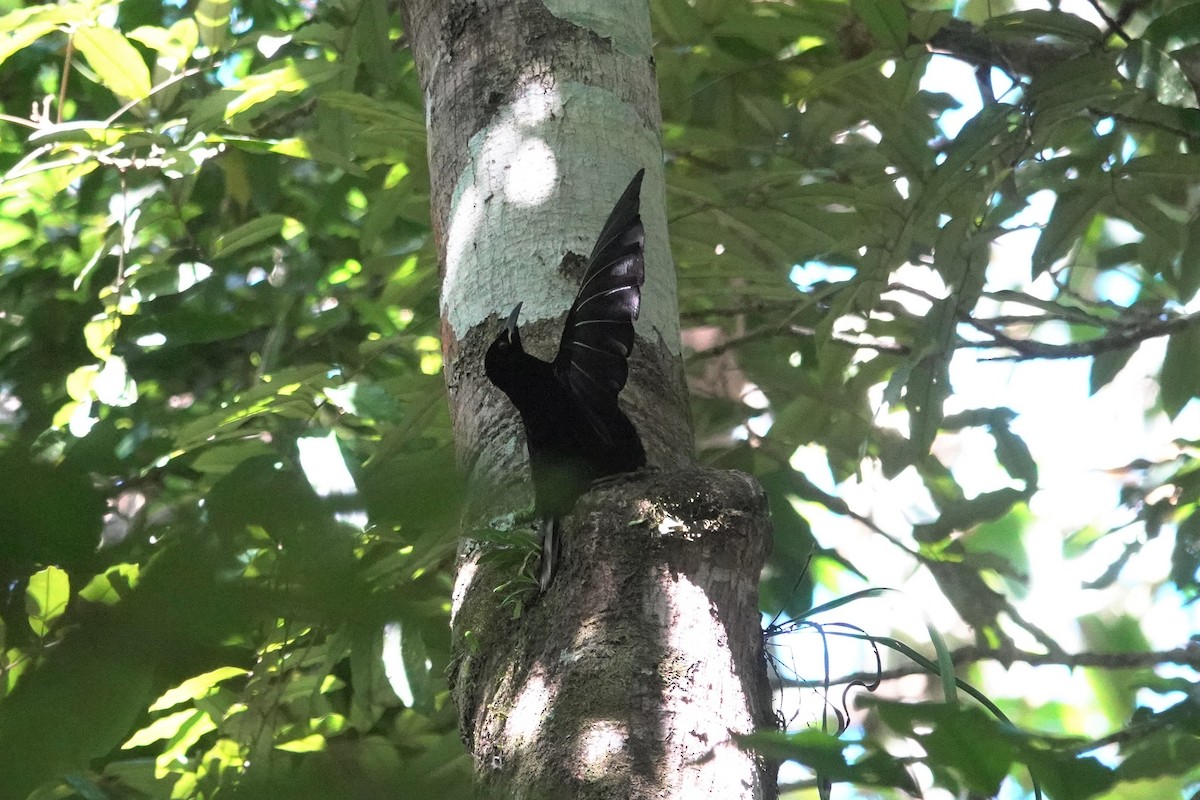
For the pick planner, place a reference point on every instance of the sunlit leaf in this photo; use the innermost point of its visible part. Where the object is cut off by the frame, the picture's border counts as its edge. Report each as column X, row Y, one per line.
column 312, row 743
column 112, row 585
column 196, row 687
column 162, row 728
column 21, row 27
column 179, row 743
column 212, row 19
column 46, row 598
column 254, row 91
column 117, row 63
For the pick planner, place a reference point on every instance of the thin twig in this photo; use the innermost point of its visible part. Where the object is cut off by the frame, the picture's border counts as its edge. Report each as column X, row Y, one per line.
column 1185, row 656
column 158, row 87
column 1026, row 349
column 1113, row 25
column 66, row 73
column 9, row 118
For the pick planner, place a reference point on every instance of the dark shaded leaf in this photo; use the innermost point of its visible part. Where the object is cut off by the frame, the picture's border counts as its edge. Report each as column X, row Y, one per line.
column 1179, row 379
column 1073, row 212
column 886, row 19
column 1185, row 557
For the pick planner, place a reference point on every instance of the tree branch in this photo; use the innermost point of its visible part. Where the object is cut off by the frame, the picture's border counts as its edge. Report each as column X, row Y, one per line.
column 1186, row 656
column 1030, row 349
column 1114, row 27
column 1027, row 57
column 857, row 342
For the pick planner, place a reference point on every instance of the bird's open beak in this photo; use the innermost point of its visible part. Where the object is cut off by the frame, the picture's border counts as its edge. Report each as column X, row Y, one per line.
column 510, row 324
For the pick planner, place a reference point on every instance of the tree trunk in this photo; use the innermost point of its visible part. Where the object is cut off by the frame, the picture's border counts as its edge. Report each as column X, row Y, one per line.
column 632, row 675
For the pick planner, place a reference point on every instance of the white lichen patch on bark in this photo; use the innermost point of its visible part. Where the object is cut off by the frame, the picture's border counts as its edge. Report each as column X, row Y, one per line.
column 515, row 214
column 625, row 22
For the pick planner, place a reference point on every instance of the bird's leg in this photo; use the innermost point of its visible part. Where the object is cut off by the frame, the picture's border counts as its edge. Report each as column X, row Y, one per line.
column 550, row 535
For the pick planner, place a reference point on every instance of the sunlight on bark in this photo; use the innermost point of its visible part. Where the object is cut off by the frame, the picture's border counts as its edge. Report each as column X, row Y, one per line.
column 605, row 740
column 462, row 583
column 529, row 710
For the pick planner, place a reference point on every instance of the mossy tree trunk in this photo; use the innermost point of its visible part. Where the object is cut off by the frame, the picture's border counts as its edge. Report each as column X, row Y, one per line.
column 632, row 676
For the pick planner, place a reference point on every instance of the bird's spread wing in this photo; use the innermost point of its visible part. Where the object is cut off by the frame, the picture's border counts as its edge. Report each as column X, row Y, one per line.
column 593, row 358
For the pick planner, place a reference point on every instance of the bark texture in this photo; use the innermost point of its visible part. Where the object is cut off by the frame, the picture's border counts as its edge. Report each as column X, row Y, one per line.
column 632, row 675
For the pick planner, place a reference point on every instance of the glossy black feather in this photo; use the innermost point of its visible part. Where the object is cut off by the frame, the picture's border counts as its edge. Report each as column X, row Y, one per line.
column 597, row 340
column 574, row 427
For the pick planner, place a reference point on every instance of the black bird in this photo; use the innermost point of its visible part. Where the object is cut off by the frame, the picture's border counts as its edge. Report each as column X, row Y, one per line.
column 574, row 429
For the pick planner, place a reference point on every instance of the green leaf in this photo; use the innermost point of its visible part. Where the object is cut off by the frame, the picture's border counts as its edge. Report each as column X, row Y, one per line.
column 1185, row 558
column 824, row 754
column 254, row 232
column 112, row 585
column 1013, row 454
column 1073, row 212
column 371, row 111
column 223, row 458
column 964, row 739
column 1163, row 752
column 255, row 92
column 967, row 158
column 1001, row 542
column 1065, row 776
column 886, row 19
column 46, row 599
column 312, row 743
column 197, row 687
column 1038, row 22
column 371, row 36
column 165, row 728
column 927, row 385
column 85, row 787
column 296, row 386
column 184, row 739
column 1187, row 277
column 55, row 518
column 188, row 326
column 967, row 743
column 1172, row 167
column 117, row 63
column 212, row 18
column 21, row 27
column 1179, row 378
column 1105, row 367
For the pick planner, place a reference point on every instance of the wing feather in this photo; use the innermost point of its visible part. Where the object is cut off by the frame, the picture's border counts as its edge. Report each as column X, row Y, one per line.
column 593, row 357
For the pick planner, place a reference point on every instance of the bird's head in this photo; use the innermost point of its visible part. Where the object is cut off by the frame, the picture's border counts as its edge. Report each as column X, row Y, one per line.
column 506, row 345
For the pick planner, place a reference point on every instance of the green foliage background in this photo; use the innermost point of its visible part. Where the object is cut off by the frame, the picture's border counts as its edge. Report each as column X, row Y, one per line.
column 215, row 250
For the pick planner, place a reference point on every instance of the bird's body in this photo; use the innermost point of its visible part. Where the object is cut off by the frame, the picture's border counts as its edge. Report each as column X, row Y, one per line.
column 574, row 428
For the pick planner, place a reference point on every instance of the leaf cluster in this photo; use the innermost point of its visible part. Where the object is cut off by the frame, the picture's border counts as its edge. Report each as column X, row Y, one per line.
column 230, row 493
column 231, row 497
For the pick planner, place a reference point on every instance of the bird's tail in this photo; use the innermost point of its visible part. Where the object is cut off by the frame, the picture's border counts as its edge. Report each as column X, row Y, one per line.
column 551, row 541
